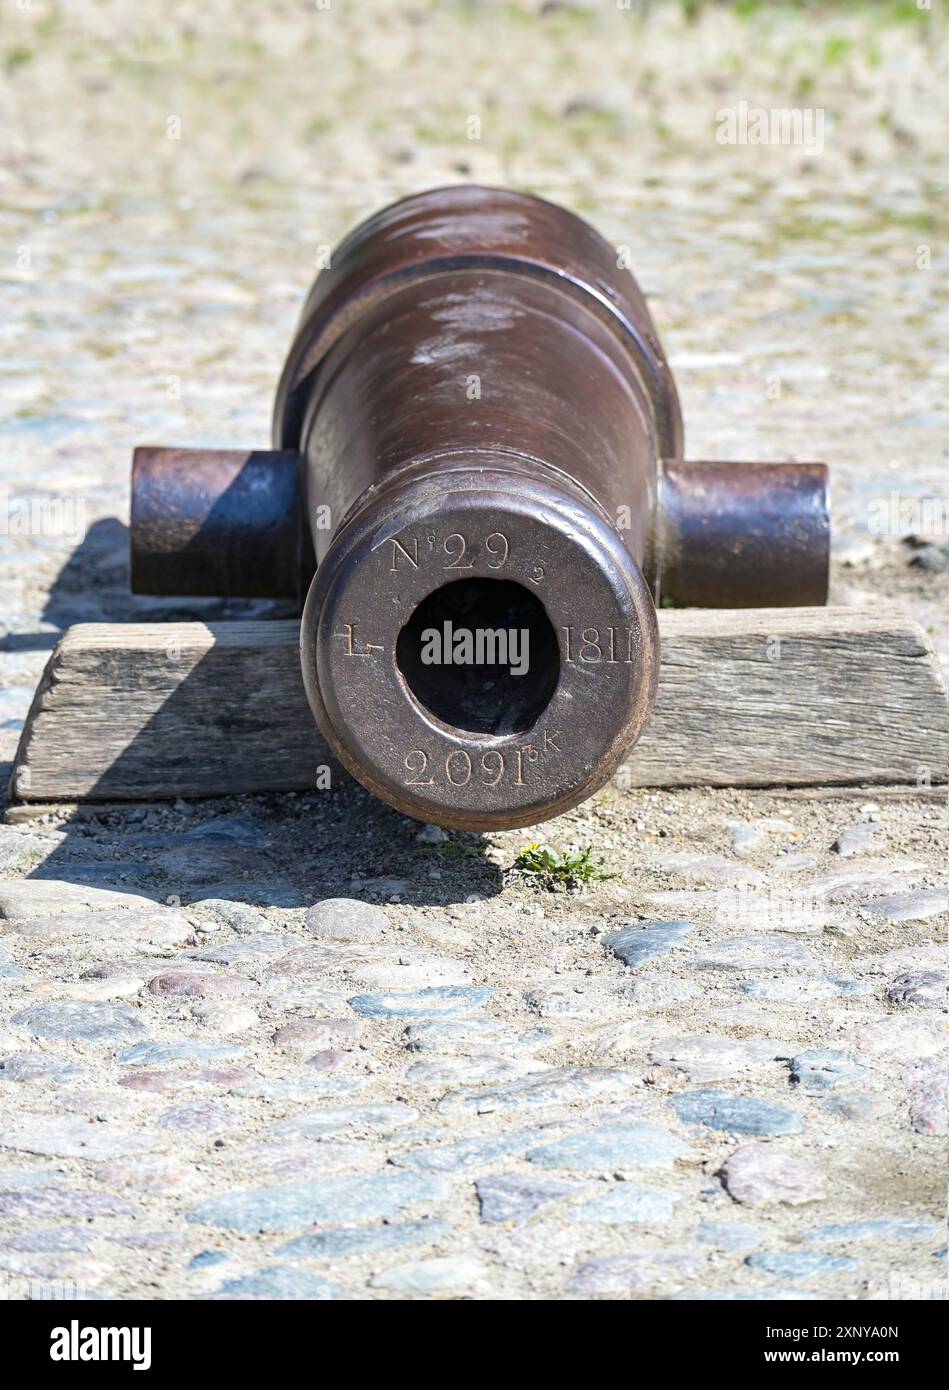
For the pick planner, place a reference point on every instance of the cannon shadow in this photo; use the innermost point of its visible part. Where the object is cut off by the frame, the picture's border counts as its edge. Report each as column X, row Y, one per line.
column 270, row 849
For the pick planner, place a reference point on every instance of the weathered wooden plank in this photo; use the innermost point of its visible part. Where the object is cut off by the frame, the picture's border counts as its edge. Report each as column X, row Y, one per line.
column 753, row 697
column 794, row 696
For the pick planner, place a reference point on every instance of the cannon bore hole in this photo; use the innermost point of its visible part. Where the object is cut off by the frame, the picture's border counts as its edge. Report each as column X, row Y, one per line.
column 481, row 655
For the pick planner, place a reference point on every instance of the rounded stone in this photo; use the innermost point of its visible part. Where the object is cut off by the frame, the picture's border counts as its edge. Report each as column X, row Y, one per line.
column 736, row 1114
column 302, row 1034
column 156, row 1080
column 81, row 1022
column 764, row 1174
column 240, row 917
column 800, row 1264
column 928, row 1090
column 198, row 985
column 926, row 989
column 762, row 951
column 632, row 1203
column 450, row 1274
column 279, row 1282
column 329, row 1060
column 199, row 1116
column 38, row 1066
column 224, row 1017
column 346, row 919
column 820, row 1069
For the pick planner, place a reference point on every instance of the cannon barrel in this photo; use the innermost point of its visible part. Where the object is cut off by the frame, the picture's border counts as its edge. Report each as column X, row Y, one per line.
column 477, row 483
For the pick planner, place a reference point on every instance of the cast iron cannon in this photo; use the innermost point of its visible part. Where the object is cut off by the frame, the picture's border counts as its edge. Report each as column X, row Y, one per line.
column 476, row 492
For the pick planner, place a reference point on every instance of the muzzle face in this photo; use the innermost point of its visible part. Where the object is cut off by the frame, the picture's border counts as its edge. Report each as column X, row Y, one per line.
column 479, row 656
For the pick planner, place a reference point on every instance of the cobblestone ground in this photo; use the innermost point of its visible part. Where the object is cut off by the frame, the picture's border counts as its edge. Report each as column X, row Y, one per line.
column 716, row 1074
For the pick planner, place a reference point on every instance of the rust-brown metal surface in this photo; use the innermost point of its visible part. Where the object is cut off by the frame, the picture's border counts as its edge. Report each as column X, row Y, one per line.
column 743, row 535
column 477, row 433
column 493, row 230
column 218, row 521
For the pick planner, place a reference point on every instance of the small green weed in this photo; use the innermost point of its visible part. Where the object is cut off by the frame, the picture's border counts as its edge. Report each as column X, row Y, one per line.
column 571, row 869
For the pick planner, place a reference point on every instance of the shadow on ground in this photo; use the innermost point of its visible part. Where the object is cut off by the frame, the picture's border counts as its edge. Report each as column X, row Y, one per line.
column 93, row 587
column 280, row 850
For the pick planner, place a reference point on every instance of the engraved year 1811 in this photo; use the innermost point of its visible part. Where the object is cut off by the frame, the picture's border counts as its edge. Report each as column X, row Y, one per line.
column 593, row 646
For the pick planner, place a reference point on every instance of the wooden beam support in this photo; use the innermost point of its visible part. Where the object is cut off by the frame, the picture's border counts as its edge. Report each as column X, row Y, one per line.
column 747, row 697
